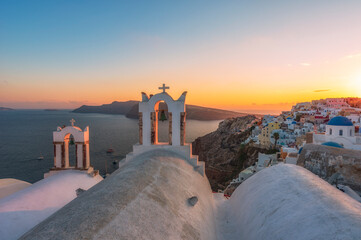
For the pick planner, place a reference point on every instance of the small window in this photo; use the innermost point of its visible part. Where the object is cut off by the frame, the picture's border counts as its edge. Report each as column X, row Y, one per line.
column 341, row 132
column 330, row 131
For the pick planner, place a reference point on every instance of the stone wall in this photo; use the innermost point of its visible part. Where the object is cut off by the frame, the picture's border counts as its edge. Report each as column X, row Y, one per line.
column 325, row 161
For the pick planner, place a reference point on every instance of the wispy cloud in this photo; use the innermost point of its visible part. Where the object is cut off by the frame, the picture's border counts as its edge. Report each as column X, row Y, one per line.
column 306, row 64
column 322, row 90
column 274, row 104
column 350, row 56
column 353, row 55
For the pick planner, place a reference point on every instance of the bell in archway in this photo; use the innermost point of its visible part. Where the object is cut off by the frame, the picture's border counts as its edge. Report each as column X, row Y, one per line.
column 163, row 117
column 71, row 141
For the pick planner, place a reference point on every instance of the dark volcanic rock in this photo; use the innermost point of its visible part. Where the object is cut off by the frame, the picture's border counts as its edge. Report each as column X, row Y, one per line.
column 5, row 109
column 79, row 191
column 130, row 110
column 192, row 200
column 113, row 108
column 206, row 114
column 223, row 152
column 133, row 112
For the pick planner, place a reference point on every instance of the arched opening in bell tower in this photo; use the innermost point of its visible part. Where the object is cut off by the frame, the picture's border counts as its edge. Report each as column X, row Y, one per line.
column 70, row 153
column 161, row 124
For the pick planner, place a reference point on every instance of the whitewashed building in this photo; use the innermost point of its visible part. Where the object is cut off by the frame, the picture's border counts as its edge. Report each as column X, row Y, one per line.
column 340, row 130
column 265, row 160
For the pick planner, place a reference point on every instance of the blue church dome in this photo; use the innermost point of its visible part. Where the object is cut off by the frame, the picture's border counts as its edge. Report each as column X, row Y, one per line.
column 340, row 121
column 332, row 144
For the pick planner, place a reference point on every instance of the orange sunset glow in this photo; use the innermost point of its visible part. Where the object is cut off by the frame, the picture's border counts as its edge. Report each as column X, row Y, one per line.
column 250, row 58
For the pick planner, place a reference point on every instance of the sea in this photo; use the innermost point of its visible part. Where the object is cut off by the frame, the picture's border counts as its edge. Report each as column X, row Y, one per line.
column 26, row 139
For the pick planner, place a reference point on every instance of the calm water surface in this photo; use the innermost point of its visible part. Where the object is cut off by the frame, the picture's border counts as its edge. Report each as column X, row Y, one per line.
column 27, row 134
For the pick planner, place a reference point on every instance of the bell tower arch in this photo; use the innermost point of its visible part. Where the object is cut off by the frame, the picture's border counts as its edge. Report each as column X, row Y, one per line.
column 149, row 118
column 61, row 139
column 148, row 129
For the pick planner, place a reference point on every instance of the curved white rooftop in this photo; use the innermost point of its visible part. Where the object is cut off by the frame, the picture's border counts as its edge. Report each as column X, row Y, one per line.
column 9, row 186
column 26, row 208
column 147, row 198
column 289, row 202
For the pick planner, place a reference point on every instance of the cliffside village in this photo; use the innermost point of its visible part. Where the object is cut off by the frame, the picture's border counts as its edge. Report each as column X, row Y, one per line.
column 164, row 183
column 331, row 122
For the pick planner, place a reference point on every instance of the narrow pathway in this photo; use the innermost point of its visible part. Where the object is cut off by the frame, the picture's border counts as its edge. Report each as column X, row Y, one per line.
column 225, row 227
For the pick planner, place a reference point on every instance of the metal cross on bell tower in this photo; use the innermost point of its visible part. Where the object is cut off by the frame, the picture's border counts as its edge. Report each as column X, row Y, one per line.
column 163, row 88
column 72, row 121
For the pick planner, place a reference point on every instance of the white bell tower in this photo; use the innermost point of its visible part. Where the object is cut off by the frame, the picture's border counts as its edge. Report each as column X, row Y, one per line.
column 64, row 136
column 149, row 118
column 148, row 128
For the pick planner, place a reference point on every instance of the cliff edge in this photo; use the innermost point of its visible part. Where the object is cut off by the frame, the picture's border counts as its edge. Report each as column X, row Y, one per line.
column 330, row 163
column 223, row 152
column 130, row 110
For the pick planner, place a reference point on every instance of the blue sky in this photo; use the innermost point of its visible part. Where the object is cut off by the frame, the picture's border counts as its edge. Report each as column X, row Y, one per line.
column 144, row 43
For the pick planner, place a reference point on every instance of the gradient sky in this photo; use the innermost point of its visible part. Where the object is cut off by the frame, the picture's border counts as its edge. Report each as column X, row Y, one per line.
column 243, row 55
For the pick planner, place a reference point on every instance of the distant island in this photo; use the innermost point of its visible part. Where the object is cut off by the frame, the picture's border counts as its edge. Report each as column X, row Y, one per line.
column 51, row 109
column 130, row 110
column 5, row 109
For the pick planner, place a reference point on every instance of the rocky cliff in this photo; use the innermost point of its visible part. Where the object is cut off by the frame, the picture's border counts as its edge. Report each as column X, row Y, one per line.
column 5, row 109
column 112, row 108
column 223, row 152
column 130, row 110
column 330, row 163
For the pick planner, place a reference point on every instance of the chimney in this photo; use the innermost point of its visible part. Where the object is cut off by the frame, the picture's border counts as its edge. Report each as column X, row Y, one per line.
column 309, row 137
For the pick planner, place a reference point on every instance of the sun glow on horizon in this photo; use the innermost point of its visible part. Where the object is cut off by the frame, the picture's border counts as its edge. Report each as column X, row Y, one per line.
column 355, row 84
column 237, row 56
